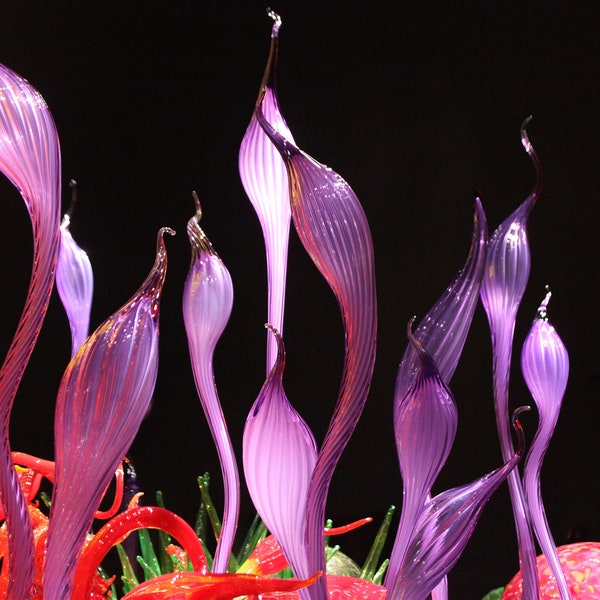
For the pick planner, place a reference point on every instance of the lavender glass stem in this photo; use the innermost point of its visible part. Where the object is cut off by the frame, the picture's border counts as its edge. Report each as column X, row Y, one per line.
column 545, row 366
column 207, row 303
column 507, row 272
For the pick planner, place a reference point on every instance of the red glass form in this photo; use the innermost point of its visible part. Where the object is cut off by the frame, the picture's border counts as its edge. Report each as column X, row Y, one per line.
column 103, row 397
column 214, row 586
column 30, row 158
column 545, row 366
column 121, row 526
column 579, row 562
column 207, row 302
column 502, row 288
column 264, row 178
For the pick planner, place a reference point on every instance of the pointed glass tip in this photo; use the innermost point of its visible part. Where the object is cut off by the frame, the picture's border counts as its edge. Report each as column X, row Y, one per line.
column 276, row 22
column 524, row 137
column 198, row 216
column 542, row 311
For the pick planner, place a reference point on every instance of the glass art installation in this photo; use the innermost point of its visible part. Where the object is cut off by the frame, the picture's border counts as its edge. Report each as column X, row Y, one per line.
column 56, row 550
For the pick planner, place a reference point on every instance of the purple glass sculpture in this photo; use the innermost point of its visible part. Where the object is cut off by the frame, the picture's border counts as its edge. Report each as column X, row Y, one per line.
column 445, row 526
column 264, row 177
column 506, row 275
column 334, row 231
column 75, row 284
column 30, row 158
column 103, row 397
column 207, row 302
column 443, row 331
column 545, row 366
column 425, row 422
column 279, row 458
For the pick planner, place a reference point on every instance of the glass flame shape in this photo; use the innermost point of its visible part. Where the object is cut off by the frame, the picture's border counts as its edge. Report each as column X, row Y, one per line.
column 279, row 457
column 502, row 288
column 207, row 303
column 264, row 178
column 103, row 396
column 444, row 329
column 445, row 526
column 214, row 586
column 30, row 159
column 425, row 426
column 75, row 284
column 545, row 366
column 333, row 229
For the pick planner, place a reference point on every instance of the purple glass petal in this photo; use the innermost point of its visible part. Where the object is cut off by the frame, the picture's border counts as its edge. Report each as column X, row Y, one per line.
column 425, row 426
column 445, row 526
column 334, row 230
column 75, row 285
column 30, row 158
column 103, row 396
column 507, row 272
column 545, row 366
column 444, row 329
column 279, row 456
column 207, row 303
column 264, row 177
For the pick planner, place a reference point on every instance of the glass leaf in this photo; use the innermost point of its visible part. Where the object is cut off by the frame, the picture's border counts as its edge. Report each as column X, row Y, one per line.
column 279, row 457
column 333, row 228
column 103, row 396
column 264, row 178
column 502, row 288
column 207, row 303
column 216, row 586
column 545, row 366
column 75, row 285
column 444, row 329
column 444, row 528
column 30, row 158
column 425, row 426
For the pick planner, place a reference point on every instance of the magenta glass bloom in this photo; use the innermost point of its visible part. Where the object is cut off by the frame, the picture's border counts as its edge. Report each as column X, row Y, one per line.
column 445, row 526
column 425, row 426
column 545, row 366
column 30, row 159
column 506, row 275
column 75, row 285
column 265, row 180
column 207, row 303
column 279, row 457
column 103, row 396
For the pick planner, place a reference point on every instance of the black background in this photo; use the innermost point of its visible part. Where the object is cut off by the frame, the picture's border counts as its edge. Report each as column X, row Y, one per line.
column 417, row 107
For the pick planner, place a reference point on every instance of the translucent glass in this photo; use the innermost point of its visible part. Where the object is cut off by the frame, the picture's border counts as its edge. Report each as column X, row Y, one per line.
column 545, row 366
column 333, row 228
column 425, row 426
column 207, row 302
column 444, row 528
column 506, row 275
column 443, row 331
column 30, row 158
column 75, row 285
column 103, row 396
column 279, row 457
column 264, row 177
